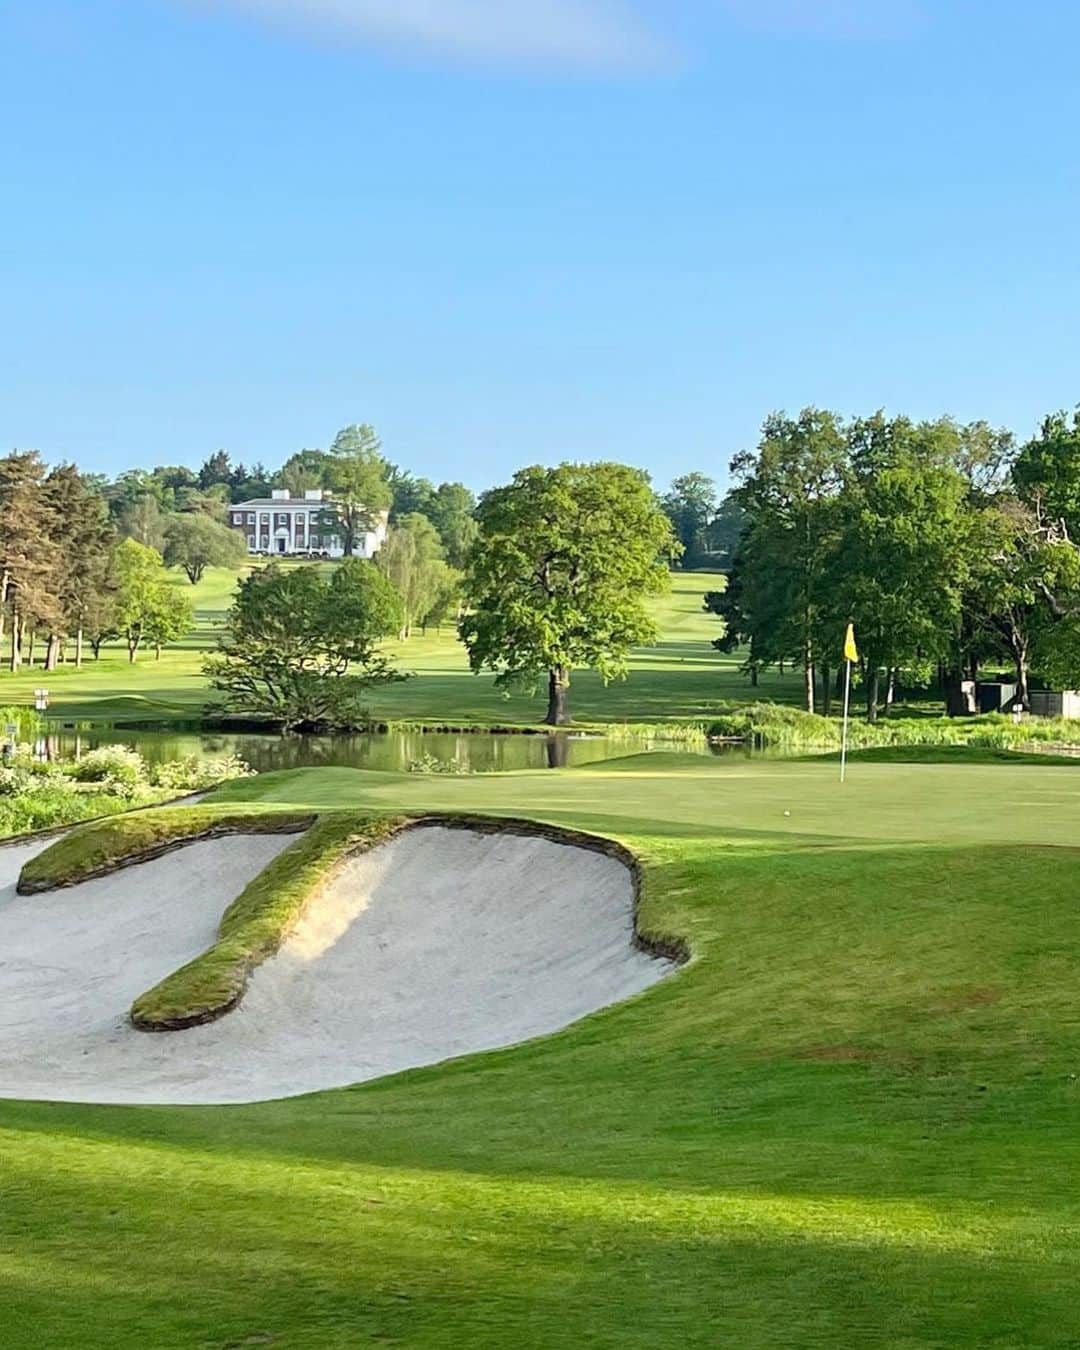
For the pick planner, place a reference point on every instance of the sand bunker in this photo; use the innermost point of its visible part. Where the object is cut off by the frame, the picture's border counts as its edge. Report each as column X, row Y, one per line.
column 436, row 944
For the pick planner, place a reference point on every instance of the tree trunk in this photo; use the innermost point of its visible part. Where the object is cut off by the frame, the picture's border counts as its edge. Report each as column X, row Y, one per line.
column 52, row 652
column 157, row 651
column 826, row 689
column 890, row 691
column 753, row 676
column 133, row 646
column 558, row 713
column 30, row 651
column 872, row 677
column 1023, row 692
column 78, row 648
column 16, row 639
column 95, row 644
column 808, row 675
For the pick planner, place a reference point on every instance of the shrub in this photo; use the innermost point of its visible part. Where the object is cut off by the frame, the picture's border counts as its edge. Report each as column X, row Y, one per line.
column 118, row 769
column 192, row 773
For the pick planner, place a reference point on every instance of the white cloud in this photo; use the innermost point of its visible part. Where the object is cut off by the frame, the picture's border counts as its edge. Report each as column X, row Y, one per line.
column 587, row 34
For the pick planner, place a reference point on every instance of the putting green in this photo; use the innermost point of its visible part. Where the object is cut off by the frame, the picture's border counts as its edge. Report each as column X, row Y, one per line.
column 852, row 1120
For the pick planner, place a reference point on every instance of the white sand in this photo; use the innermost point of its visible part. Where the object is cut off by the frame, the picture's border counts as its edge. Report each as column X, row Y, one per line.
column 436, row 944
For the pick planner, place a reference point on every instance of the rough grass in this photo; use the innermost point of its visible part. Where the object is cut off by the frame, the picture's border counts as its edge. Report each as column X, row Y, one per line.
column 255, row 924
column 94, row 849
column 50, row 808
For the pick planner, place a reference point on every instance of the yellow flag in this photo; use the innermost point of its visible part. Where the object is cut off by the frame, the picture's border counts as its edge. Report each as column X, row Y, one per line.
column 851, row 652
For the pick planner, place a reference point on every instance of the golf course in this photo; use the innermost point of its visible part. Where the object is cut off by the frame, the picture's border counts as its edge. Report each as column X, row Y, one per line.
column 679, row 678
column 847, row 1119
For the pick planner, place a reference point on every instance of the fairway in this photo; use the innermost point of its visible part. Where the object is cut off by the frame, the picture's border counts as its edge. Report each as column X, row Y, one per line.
column 850, row 1120
column 680, row 678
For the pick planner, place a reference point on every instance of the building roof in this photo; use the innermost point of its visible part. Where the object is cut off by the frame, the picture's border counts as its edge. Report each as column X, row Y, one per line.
column 280, row 503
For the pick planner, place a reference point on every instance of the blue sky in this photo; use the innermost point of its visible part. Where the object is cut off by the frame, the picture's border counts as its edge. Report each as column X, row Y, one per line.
column 518, row 232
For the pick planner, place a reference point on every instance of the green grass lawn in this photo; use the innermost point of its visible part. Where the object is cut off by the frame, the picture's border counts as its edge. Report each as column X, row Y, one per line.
column 852, row 1120
column 681, row 677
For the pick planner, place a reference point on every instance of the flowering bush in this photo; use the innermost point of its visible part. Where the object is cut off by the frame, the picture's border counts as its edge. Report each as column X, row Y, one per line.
column 118, row 769
column 192, row 773
column 36, row 794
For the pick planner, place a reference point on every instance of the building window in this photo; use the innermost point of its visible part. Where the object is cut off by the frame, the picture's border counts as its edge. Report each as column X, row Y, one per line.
column 251, row 541
column 251, row 518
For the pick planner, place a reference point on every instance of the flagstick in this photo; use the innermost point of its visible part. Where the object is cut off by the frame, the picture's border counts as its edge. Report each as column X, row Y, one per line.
column 847, row 704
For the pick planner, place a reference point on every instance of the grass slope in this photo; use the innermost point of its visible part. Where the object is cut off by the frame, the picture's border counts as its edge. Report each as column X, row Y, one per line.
column 681, row 677
column 852, row 1120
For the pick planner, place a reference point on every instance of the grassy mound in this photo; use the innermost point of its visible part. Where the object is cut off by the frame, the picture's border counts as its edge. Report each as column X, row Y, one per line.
column 94, row 850
column 255, row 924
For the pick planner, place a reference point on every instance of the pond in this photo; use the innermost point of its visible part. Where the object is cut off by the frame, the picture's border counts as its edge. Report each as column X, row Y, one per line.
column 479, row 752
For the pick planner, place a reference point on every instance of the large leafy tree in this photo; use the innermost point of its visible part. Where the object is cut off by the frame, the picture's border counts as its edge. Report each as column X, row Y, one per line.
column 903, row 556
column 559, row 573
column 356, row 474
column 145, row 605
column 302, row 649
column 453, row 513
column 412, row 559
column 781, row 597
column 195, row 541
column 1047, row 471
column 303, row 472
column 690, row 504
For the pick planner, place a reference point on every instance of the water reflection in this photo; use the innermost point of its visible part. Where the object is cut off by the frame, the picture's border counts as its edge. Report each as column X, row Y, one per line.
column 395, row 751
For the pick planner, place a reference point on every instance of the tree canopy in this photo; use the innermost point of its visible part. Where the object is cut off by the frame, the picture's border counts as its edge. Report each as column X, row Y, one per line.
column 557, row 578
column 195, row 541
column 302, row 648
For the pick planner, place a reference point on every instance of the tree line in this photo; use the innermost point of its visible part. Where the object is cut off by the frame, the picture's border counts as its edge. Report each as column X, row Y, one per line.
column 555, row 579
column 84, row 559
column 948, row 545
column 66, row 579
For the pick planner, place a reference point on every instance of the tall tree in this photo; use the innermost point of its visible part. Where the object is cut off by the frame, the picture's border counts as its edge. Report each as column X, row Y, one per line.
column 140, row 580
column 1047, row 471
column 780, row 582
column 690, row 504
column 169, row 617
column 902, row 562
column 725, row 530
column 356, row 474
column 216, row 468
column 195, row 542
column 412, row 558
column 408, row 493
column 557, row 579
column 82, row 536
column 303, row 472
column 142, row 519
column 453, row 513
column 303, row 649
column 28, row 557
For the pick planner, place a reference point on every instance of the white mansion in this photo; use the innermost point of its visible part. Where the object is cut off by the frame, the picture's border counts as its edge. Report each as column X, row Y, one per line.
column 283, row 524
